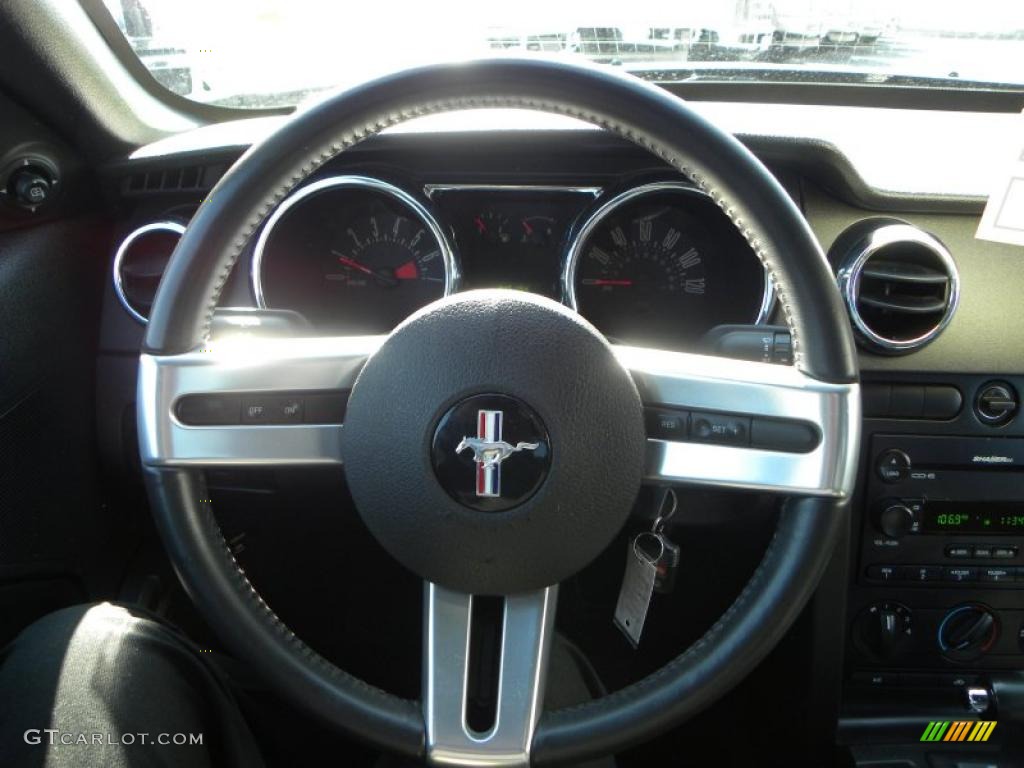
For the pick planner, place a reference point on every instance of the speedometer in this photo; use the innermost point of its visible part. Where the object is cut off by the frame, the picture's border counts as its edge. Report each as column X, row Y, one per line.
column 660, row 265
column 353, row 255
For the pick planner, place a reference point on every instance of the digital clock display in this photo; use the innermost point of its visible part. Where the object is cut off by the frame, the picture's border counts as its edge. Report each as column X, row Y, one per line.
column 985, row 518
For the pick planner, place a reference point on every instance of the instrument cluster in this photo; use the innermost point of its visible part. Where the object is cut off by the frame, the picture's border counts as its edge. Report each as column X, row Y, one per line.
column 652, row 264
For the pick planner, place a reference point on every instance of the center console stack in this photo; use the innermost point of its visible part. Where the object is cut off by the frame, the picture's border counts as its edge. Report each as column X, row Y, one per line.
column 935, row 617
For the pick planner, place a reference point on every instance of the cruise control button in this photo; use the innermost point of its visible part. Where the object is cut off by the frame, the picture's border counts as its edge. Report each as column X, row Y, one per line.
column 272, row 410
column 325, row 407
column 778, row 435
column 961, row 573
column 666, row 424
column 288, row 410
column 721, row 428
column 207, row 410
column 255, row 411
column 958, row 550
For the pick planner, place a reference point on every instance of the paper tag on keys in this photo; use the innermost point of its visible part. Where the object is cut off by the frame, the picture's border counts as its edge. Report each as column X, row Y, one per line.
column 638, row 584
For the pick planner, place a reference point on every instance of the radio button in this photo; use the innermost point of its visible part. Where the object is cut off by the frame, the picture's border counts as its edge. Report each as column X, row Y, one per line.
column 1004, row 552
column 921, row 573
column 997, row 574
column 959, row 573
column 893, row 466
column 958, row 550
column 883, row 572
column 982, row 550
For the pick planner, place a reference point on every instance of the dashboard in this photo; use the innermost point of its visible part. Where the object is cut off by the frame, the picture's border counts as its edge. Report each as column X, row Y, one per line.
column 596, row 224
column 649, row 261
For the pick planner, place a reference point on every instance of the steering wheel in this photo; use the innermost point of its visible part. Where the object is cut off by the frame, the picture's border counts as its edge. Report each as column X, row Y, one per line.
column 577, row 401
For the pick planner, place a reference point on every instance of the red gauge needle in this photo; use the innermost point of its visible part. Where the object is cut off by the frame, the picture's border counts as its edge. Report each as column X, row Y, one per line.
column 527, row 227
column 480, row 225
column 596, row 281
column 353, row 263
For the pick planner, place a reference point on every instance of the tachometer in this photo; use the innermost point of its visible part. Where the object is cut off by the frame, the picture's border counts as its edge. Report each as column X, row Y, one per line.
column 660, row 265
column 353, row 255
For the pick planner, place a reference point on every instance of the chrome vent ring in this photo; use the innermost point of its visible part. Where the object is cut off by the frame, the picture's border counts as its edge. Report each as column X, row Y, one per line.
column 900, row 284
column 139, row 264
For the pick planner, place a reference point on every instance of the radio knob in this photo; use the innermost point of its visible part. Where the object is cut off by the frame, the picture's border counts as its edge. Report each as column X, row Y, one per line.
column 896, row 520
column 967, row 632
column 883, row 630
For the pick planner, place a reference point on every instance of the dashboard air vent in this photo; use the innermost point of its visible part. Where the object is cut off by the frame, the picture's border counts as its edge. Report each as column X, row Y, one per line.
column 183, row 179
column 900, row 284
column 140, row 262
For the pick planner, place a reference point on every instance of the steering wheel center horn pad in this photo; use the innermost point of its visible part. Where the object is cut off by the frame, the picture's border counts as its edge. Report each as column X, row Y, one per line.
column 560, row 387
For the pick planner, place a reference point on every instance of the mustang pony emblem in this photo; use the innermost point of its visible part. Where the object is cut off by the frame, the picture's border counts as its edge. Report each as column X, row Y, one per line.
column 489, row 450
column 492, row 454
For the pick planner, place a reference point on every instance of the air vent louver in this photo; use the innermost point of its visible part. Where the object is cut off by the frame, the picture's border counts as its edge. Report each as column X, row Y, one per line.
column 899, row 283
column 140, row 262
column 183, row 179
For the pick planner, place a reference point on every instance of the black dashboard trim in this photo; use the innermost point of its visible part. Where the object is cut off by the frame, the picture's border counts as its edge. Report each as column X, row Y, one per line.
column 963, row 98
column 820, row 161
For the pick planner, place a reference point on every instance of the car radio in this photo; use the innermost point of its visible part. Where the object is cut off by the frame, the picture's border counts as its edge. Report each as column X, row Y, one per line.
column 945, row 509
column 899, row 516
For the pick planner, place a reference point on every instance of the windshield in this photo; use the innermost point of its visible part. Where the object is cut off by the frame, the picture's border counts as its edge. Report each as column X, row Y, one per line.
column 271, row 53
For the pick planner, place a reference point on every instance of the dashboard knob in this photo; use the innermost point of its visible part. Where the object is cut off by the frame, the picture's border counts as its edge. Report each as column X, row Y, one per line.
column 896, row 520
column 996, row 402
column 31, row 186
column 883, row 630
column 968, row 632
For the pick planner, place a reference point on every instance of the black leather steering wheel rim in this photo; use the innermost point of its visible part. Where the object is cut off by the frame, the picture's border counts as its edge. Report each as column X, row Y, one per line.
column 822, row 343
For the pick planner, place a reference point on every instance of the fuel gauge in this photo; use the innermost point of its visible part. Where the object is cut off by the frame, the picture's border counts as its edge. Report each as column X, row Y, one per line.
column 494, row 227
column 536, row 230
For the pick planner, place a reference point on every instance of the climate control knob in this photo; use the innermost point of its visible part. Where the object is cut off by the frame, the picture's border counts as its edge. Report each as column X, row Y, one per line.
column 883, row 630
column 968, row 632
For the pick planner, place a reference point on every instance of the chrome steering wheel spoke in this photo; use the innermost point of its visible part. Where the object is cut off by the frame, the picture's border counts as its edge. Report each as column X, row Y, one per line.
column 527, row 626
column 239, row 370
column 763, row 392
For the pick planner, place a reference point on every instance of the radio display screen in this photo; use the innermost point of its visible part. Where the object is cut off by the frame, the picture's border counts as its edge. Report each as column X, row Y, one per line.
column 967, row 517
